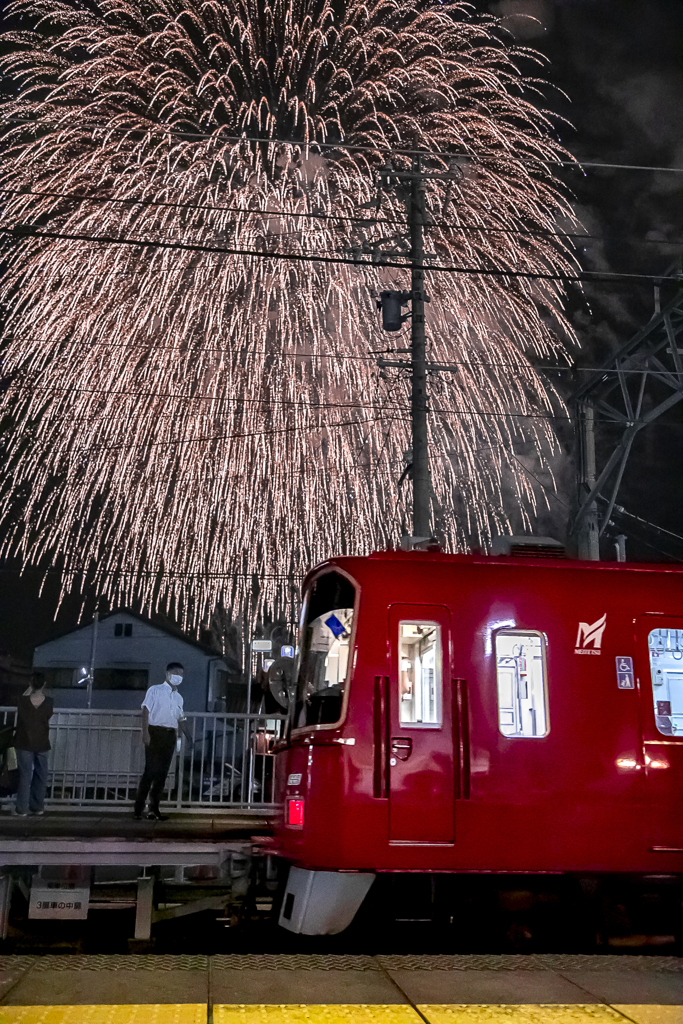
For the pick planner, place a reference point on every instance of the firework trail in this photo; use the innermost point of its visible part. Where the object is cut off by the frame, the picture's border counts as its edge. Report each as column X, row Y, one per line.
column 178, row 415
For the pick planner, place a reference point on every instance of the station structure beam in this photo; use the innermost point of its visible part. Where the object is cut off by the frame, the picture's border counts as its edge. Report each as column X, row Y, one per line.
column 632, row 389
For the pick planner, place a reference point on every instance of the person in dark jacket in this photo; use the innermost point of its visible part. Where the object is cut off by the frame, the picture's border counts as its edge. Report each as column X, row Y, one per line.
column 32, row 742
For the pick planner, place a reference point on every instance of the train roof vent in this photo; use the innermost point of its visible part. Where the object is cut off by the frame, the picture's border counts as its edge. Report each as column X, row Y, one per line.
column 528, row 547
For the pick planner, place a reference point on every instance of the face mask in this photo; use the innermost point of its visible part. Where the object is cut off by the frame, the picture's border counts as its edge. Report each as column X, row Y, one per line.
column 175, row 680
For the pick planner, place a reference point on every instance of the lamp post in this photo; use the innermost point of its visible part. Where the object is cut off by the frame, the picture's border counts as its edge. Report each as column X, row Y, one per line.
column 93, row 652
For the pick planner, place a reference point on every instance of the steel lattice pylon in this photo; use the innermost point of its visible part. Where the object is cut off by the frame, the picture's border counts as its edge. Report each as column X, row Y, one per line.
column 633, row 388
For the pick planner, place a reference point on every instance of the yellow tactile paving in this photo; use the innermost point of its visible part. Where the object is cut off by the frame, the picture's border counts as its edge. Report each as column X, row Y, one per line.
column 315, row 1014
column 185, row 1013
column 195, row 1013
column 652, row 1014
column 535, row 1013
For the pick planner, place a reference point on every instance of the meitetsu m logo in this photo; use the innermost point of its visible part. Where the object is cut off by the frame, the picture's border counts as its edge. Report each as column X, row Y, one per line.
column 589, row 637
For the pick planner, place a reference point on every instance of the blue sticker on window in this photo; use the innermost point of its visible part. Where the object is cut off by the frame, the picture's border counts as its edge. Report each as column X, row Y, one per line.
column 335, row 625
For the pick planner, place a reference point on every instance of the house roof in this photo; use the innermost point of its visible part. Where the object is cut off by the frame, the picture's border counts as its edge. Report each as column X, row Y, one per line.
column 177, row 634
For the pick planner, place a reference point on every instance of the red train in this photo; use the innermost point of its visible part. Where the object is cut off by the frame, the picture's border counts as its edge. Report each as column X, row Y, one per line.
column 473, row 714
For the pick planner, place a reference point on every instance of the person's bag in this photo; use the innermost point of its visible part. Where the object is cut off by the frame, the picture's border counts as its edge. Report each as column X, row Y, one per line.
column 6, row 737
column 9, row 773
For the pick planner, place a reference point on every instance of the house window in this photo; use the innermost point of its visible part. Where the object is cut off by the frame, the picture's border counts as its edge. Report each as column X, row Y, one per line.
column 666, row 665
column 123, row 629
column 105, row 678
column 66, row 678
column 522, row 686
column 121, row 679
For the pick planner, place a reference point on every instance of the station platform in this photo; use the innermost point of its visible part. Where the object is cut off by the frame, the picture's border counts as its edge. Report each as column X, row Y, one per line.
column 298, row 989
column 85, row 837
column 97, row 824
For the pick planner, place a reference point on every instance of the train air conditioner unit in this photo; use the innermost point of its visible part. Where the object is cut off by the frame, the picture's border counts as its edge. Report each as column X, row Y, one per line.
column 528, row 547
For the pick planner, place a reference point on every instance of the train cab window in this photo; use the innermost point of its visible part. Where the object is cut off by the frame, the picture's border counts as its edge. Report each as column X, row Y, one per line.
column 666, row 665
column 327, row 623
column 522, row 689
column 419, row 677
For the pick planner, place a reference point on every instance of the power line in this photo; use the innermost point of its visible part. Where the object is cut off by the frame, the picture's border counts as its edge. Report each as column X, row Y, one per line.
column 309, row 144
column 292, row 403
column 660, row 529
column 50, row 570
column 231, row 437
column 580, row 164
column 345, row 218
column 341, row 356
column 205, row 206
column 582, row 276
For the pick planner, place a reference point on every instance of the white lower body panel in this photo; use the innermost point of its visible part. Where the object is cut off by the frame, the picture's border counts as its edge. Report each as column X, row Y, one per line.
column 322, row 902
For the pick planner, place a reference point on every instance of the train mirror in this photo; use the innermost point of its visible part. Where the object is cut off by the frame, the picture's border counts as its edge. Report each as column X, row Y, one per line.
column 281, row 680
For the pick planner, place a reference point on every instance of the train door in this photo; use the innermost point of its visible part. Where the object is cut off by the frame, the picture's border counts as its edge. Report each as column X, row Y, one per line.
column 420, row 748
column 660, row 643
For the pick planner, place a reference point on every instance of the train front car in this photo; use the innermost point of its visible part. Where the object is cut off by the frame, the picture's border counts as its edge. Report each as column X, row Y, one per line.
column 488, row 716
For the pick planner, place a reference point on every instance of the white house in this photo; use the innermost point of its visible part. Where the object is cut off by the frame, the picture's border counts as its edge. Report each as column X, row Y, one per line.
column 130, row 654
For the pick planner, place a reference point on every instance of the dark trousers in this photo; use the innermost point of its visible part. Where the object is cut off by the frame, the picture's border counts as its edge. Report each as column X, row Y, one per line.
column 158, row 756
column 32, row 781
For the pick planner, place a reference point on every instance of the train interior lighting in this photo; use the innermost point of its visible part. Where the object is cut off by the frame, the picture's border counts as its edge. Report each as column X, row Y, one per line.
column 420, row 673
column 666, row 664
column 522, row 698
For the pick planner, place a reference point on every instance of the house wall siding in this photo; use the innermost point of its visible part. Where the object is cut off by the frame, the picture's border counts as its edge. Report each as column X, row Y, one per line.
column 148, row 648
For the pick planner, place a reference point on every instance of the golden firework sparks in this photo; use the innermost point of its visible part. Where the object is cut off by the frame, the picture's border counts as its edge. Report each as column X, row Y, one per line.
column 186, row 420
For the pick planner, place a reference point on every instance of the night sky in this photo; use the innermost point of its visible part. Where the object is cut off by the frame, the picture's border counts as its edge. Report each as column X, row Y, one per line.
column 621, row 64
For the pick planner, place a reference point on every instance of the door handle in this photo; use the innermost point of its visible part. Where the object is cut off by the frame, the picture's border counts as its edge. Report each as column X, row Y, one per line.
column 401, row 748
column 462, row 738
column 381, row 730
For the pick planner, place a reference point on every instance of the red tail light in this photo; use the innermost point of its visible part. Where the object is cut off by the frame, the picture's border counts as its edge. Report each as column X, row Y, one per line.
column 295, row 812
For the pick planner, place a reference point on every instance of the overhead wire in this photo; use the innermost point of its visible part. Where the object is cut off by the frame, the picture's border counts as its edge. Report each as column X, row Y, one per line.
column 581, row 276
column 343, row 218
column 390, row 150
column 338, row 355
column 294, row 404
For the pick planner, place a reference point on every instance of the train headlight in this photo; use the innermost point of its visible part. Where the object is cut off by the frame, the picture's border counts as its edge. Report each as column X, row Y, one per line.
column 295, row 812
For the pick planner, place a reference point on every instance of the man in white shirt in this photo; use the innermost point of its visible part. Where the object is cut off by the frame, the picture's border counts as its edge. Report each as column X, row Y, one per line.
column 162, row 712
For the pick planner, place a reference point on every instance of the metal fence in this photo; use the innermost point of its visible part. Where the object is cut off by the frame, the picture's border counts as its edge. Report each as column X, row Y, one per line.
column 97, row 758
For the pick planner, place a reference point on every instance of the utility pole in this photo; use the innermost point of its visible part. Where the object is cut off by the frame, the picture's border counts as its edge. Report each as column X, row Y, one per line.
column 93, row 656
column 422, row 483
column 409, row 186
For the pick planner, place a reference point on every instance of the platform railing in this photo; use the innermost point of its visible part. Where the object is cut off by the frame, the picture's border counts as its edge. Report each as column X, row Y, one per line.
column 97, row 758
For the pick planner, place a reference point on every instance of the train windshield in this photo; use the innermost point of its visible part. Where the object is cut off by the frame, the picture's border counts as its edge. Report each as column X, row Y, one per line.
column 324, row 650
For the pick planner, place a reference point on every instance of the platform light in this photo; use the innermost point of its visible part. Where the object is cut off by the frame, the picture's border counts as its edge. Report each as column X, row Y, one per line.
column 295, row 812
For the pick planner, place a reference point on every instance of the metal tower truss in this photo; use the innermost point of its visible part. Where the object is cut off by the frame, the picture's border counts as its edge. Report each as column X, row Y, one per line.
column 632, row 389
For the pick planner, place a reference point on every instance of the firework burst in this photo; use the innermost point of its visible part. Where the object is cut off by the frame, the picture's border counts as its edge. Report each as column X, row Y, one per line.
column 181, row 414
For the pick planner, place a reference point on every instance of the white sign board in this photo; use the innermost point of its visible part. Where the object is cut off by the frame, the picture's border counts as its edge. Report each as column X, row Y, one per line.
column 262, row 645
column 58, row 900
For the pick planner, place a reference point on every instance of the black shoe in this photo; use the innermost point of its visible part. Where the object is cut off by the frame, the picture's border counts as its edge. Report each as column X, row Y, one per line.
column 157, row 816
column 138, row 813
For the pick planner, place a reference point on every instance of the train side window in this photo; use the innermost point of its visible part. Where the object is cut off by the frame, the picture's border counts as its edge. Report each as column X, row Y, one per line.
column 419, row 677
column 522, row 686
column 666, row 666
